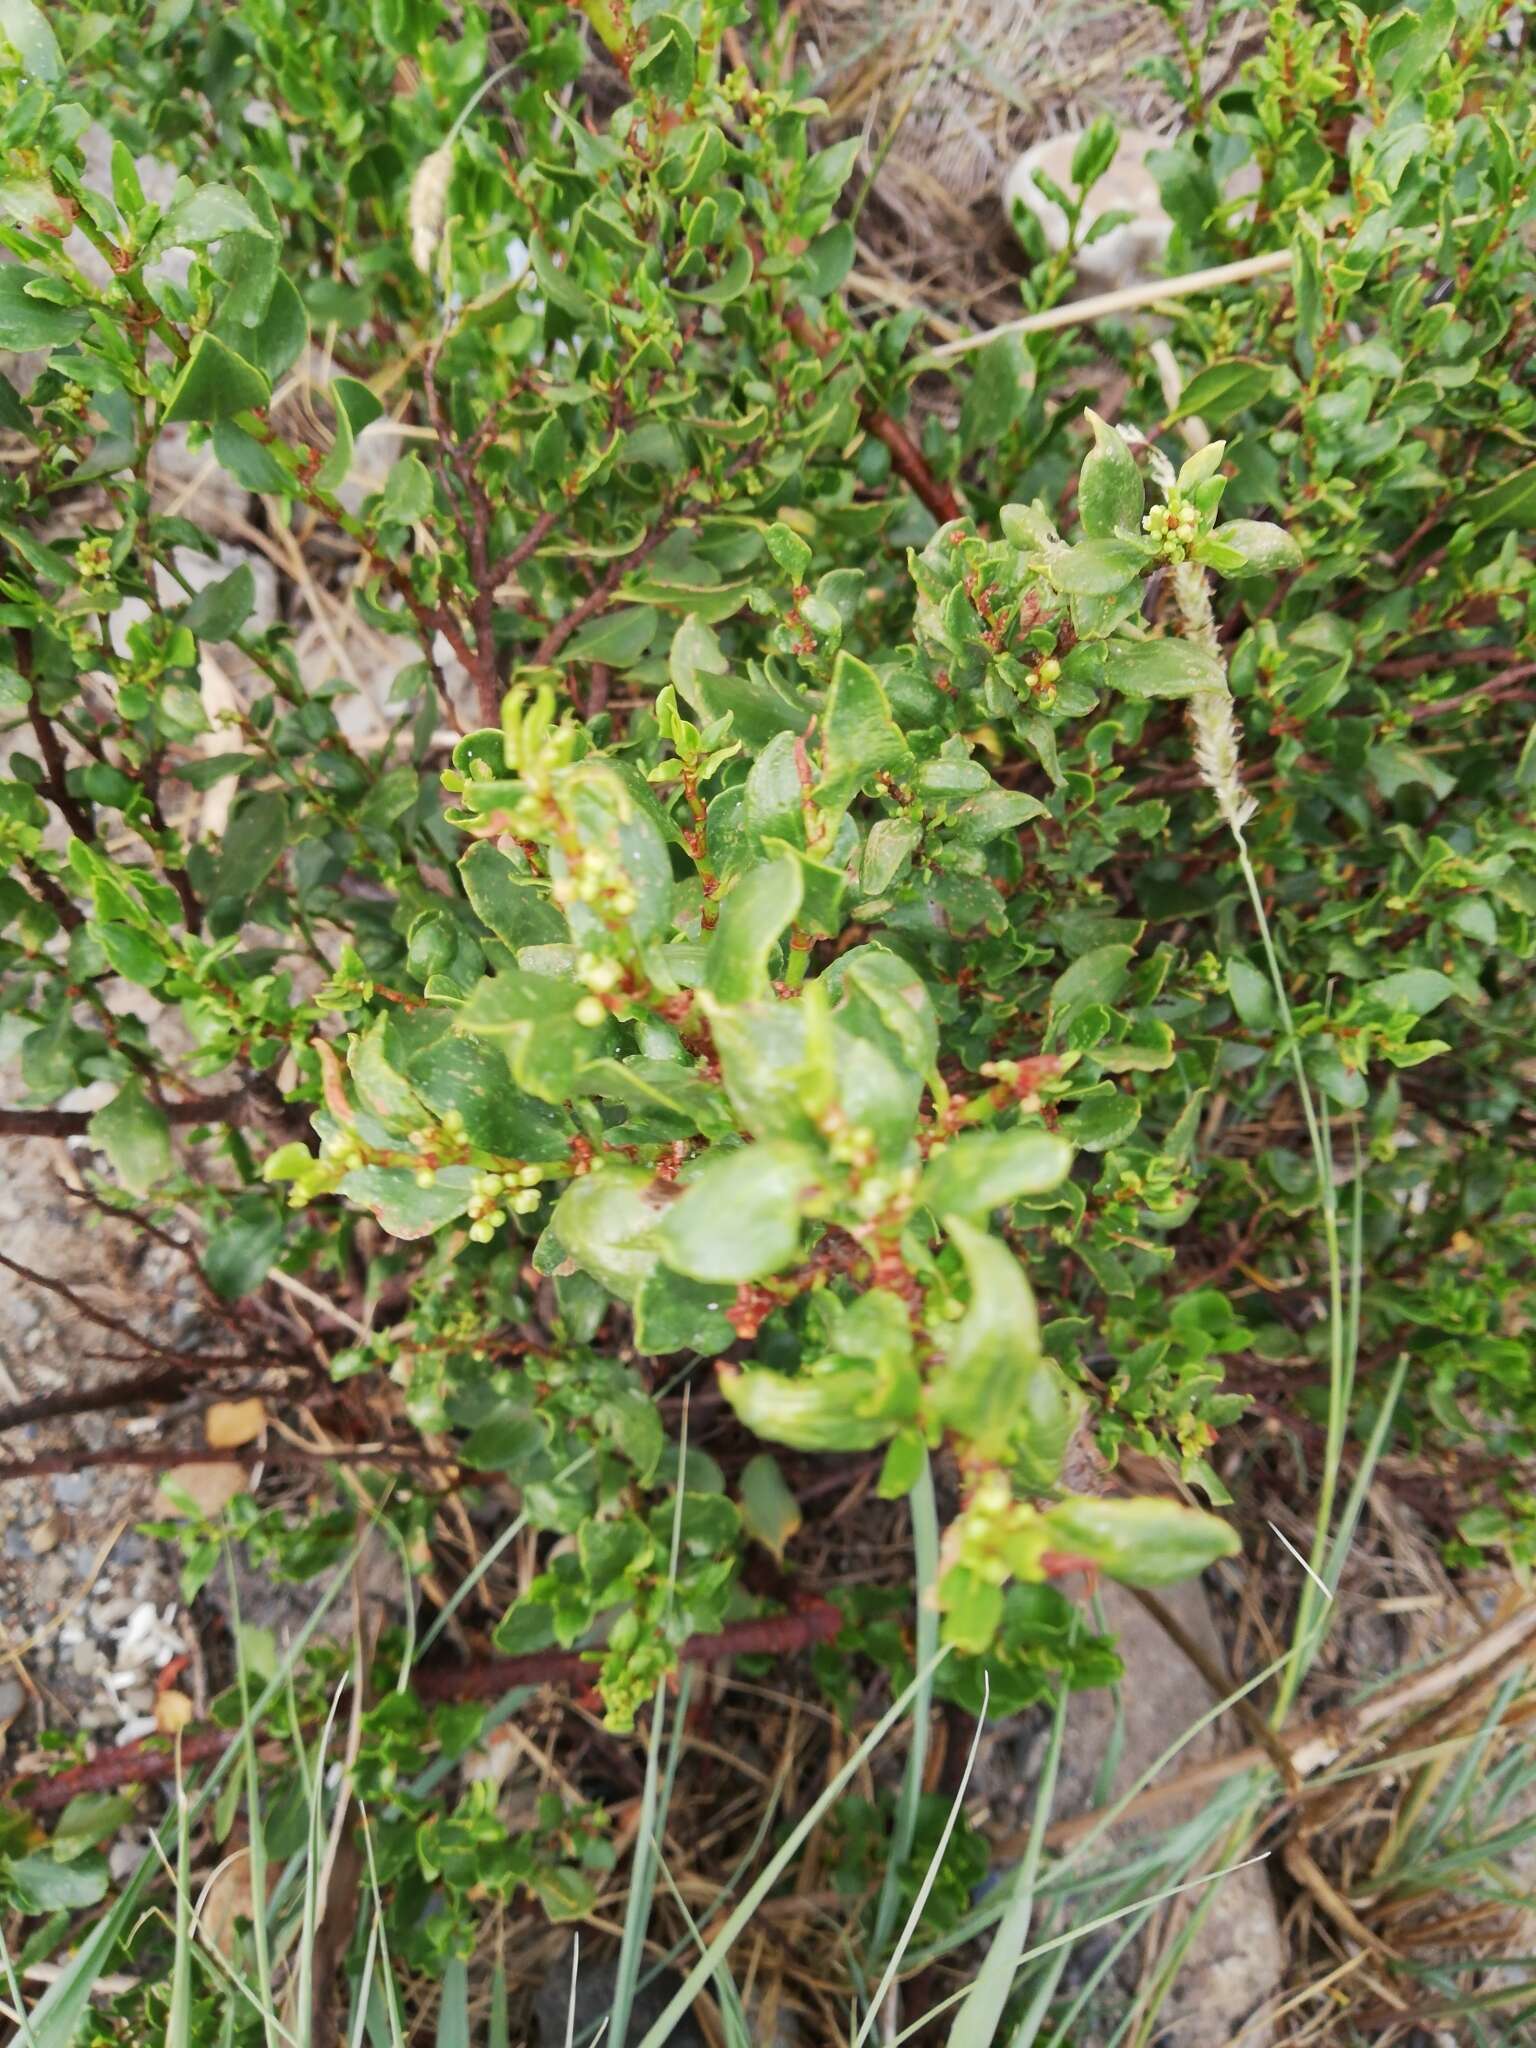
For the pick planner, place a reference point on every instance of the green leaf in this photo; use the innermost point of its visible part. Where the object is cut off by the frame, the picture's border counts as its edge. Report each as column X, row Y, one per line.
column 759, row 909
column 1419, row 989
column 1109, row 491
column 607, row 1222
column 407, row 495
column 28, row 323
column 215, row 384
column 859, row 735
column 135, row 1136
column 1140, row 1542
column 26, row 29
column 1221, row 390
column 996, row 395
column 1095, row 152
column 205, row 214
column 507, row 1439
column 1095, row 977
column 837, row 1406
column 1252, row 997
column 668, row 62
column 241, row 1249
column 770, row 1514
column 40, row 1884
column 1509, row 502
column 740, row 1217
column 617, row 638
column 1102, row 1121
column 131, row 955
column 89, row 1818
column 1264, row 549
column 253, row 845
column 792, row 554
column 508, row 901
column 981, row 1170
column 532, row 1019
column 674, row 1313
column 1098, row 568
column 392, row 1197
column 220, row 609
column 1161, row 668
column 996, row 1390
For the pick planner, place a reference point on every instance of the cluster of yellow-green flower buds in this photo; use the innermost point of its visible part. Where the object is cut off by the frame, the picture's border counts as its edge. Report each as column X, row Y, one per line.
column 593, row 880
column 495, row 1196
column 1047, row 676
column 601, row 975
column 1174, row 526
column 93, row 558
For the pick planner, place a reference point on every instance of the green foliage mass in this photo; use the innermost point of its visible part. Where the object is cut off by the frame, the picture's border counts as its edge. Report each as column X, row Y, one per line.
column 777, row 923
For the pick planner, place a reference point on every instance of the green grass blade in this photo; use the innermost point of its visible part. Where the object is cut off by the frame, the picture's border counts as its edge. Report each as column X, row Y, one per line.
column 925, row 1559
column 178, row 2026
column 453, row 2006
column 977, row 2022
column 930, row 1875
column 780, row 1861
column 642, row 1874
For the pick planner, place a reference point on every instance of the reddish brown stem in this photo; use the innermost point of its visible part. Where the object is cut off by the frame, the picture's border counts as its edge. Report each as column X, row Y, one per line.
column 140, row 1762
column 910, row 464
column 597, row 597
column 233, row 1108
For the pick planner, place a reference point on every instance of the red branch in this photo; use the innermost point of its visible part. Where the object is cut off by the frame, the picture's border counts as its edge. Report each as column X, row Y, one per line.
column 910, row 463
column 140, row 1762
column 232, row 1108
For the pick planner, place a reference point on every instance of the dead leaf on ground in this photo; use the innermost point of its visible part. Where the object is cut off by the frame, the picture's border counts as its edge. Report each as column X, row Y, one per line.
column 228, row 1424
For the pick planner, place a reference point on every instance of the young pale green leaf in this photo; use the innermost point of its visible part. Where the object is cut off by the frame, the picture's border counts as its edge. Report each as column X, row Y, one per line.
column 1109, row 490
column 839, row 1405
column 981, row 1170
column 1143, row 1542
column 740, row 1217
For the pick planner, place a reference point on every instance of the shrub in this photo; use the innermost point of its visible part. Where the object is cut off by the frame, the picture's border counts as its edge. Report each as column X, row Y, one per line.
column 797, row 909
